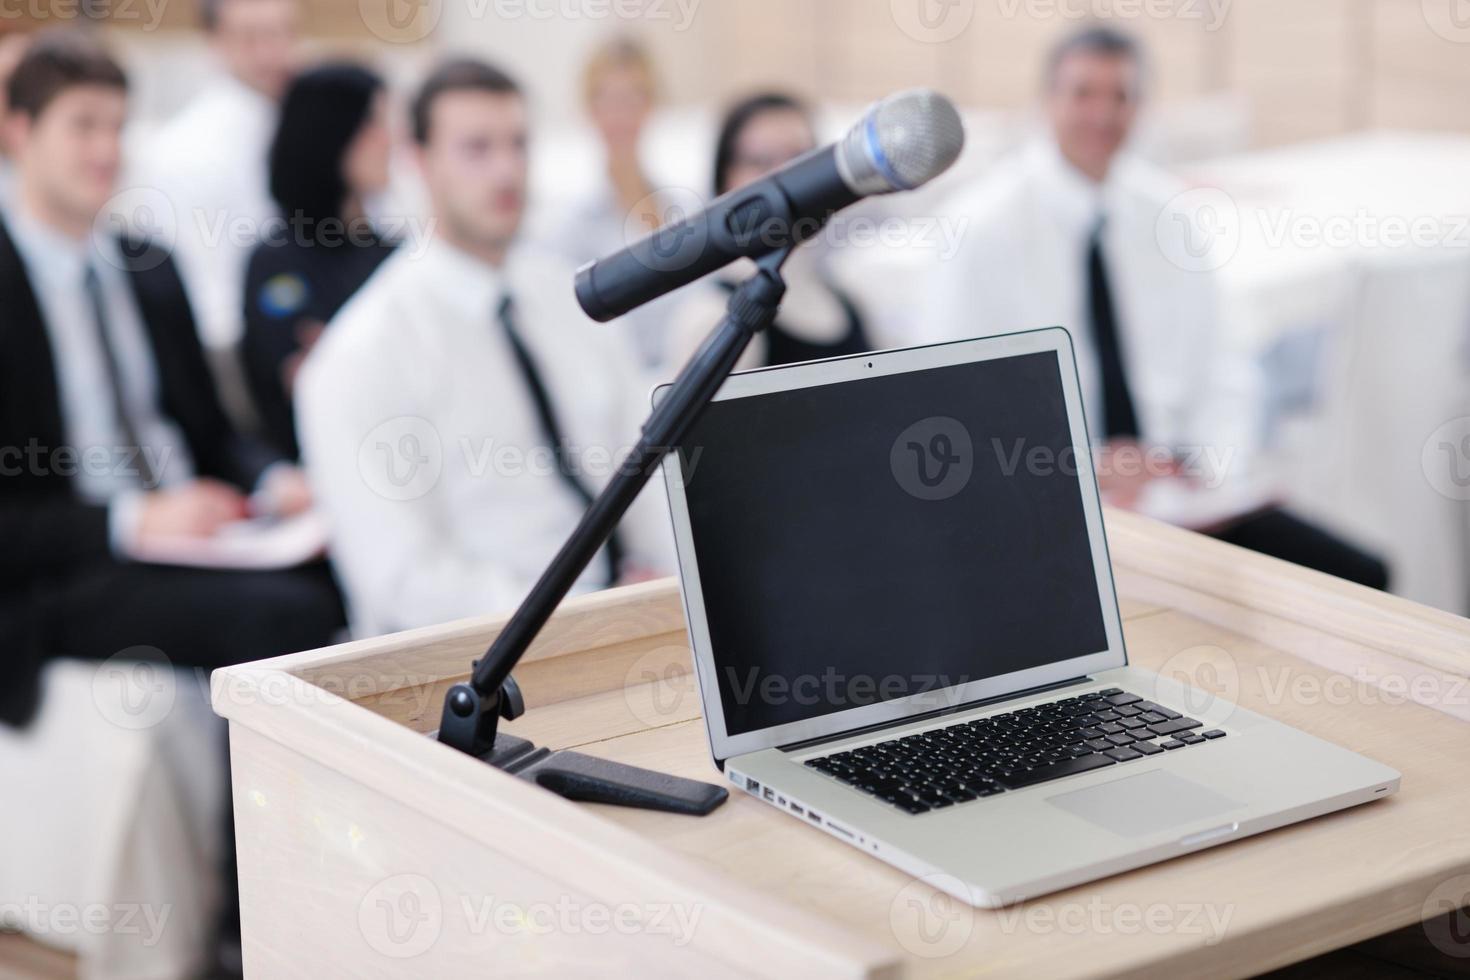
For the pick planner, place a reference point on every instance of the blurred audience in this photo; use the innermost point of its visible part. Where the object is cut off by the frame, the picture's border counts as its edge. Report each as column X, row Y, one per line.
column 460, row 411
column 818, row 318
column 210, row 160
column 620, row 93
column 1066, row 234
column 330, row 153
column 12, row 48
column 114, row 440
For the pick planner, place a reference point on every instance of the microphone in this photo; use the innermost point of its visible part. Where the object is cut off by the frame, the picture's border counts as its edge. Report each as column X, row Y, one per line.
column 902, row 142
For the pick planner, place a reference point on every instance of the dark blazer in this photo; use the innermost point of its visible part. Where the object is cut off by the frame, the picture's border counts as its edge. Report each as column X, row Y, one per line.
column 291, row 289
column 48, row 534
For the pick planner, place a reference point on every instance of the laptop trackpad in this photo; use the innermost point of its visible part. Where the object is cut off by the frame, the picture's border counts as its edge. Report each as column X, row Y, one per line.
column 1145, row 803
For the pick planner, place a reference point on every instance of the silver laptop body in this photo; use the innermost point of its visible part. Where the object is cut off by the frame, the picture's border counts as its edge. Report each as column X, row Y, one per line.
column 906, row 635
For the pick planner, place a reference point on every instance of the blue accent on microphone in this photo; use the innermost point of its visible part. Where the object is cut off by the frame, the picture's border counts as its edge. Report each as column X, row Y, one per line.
column 875, row 149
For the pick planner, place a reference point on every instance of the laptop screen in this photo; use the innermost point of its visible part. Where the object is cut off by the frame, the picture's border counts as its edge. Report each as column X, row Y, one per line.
column 884, row 537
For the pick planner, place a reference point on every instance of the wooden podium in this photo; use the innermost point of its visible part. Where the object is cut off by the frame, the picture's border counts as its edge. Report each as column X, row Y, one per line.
column 368, row 850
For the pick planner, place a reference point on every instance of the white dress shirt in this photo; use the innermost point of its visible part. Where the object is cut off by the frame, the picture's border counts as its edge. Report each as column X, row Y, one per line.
column 596, row 226
column 424, row 448
column 211, row 162
column 107, row 472
column 1022, row 265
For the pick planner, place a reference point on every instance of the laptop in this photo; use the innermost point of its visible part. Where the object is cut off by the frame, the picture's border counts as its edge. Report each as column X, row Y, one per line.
column 906, row 634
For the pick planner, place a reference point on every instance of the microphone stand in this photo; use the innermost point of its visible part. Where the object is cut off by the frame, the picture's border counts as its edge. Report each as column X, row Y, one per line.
column 473, row 708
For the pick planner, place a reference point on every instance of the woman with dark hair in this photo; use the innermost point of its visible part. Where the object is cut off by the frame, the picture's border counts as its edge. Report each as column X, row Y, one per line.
column 331, row 153
column 818, row 318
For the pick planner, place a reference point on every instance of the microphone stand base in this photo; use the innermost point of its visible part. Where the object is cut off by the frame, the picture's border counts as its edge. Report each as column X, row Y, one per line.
column 588, row 779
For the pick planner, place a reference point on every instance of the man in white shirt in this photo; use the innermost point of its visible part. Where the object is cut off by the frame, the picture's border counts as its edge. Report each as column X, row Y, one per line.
column 210, row 159
column 460, row 411
column 112, row 439
column 1069, row 232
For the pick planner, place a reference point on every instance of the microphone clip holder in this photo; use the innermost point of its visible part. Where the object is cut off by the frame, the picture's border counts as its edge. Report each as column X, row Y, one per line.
column 473, row 708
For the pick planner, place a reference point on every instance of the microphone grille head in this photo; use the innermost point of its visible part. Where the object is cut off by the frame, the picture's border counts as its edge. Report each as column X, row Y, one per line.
column 904, row 141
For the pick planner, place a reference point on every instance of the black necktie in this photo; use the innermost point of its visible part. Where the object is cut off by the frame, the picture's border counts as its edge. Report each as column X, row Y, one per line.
column 1119, row 419
column 125, row 427
column 551, row 429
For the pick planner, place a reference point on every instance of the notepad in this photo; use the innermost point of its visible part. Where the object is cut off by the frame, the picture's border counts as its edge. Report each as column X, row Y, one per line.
column 258, row 543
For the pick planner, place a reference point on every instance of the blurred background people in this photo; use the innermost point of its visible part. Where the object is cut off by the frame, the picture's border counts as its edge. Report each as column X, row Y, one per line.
column 1066, row 233
column 12, row 49
column 454, row 437
column 210, row 160
column 330, row 154
column 620, row 93
column 818, row 317
column 460, row 412
column 115, row 439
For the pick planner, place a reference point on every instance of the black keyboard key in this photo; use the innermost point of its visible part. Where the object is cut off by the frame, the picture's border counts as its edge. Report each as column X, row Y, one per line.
column 1213, row 733
column 1177, row 725
column 974, row 759
column 1189, row 738
column 1056, row 770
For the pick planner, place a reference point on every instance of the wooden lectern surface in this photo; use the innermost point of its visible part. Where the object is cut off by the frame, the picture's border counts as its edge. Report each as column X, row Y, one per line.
column 366, row 847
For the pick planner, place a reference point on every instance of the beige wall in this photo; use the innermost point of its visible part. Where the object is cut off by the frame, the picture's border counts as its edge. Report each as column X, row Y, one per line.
column 1307, row 67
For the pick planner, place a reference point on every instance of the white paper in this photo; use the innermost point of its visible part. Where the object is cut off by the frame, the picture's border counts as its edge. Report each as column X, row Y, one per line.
column 259, row 543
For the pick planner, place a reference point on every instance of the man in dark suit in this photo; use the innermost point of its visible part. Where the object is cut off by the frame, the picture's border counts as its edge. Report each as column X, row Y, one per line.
column 111, row 434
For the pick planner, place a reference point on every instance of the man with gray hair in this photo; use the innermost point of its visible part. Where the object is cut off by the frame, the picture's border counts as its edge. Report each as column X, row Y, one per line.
column 1069, row 232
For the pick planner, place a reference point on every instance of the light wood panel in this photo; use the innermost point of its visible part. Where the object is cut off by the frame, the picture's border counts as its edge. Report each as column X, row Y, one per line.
column 335, row 802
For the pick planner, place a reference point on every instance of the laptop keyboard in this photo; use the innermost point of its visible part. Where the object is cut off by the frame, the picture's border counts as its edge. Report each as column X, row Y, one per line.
column 980, row 758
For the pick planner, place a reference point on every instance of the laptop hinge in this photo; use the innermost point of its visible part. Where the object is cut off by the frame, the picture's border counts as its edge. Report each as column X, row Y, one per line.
column 936, row 713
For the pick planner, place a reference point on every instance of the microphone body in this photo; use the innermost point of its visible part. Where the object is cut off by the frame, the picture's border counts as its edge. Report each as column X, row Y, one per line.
column 787, row 206
column 901, row 143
